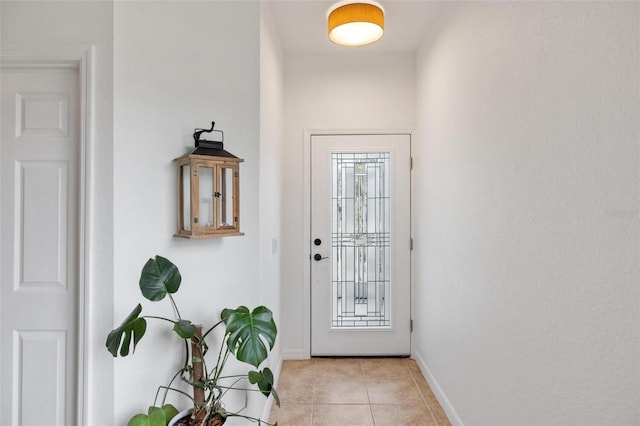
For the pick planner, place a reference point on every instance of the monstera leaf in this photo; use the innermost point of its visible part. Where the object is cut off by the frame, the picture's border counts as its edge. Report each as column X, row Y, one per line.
column 132, row 326
column 159, row 277
column 264, row 380
column 249, row 332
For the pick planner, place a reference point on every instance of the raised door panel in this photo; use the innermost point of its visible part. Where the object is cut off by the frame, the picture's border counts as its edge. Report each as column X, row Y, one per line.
column 39, row 377
column 41, row 203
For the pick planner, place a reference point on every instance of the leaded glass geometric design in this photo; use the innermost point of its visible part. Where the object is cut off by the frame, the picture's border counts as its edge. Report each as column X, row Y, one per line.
column 360, row 240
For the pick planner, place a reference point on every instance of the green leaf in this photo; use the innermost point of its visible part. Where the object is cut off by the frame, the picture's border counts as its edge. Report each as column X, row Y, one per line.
column 157, row 417
column 254, row 377
column 249, row 333
column 185, row 329
column 276, row 398
column 132, row 326
column 264, row 379
column 268, row 375
column 139, row 420
column 169, row 411
column 159, row 277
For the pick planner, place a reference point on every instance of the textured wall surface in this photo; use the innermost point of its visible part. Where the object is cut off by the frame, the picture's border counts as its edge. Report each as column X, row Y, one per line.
column 527, row 212
column 271, row 167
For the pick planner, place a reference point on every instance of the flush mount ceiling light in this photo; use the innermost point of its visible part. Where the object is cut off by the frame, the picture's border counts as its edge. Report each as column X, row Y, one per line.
column 355, row 23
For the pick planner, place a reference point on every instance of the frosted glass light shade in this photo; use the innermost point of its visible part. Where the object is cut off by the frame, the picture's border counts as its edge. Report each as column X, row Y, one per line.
column 355, row 24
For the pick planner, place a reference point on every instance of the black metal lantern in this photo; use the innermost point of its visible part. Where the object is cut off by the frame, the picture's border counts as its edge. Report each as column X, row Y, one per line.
column 208, row 189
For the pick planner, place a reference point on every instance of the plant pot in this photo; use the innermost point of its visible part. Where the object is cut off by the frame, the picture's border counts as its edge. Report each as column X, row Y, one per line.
column 179, row 419
column 182, row 414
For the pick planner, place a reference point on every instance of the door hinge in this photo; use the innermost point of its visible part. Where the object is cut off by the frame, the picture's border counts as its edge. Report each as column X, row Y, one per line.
column 411, row 244
column 410, row 163
column 411, row 326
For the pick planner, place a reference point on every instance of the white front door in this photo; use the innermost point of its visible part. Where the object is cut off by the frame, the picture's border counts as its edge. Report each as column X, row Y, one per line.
column 360, row 245
column 39, row 221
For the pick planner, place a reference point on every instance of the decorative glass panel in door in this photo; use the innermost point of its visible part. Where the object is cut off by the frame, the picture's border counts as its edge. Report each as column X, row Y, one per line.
column 360, row 239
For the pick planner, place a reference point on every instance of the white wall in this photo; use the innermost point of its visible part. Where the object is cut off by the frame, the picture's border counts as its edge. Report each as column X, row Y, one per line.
column 332, row 92
column 271, row 161
column 44, row 23
column 527, row 210
column 271, row 166
column 178, row 66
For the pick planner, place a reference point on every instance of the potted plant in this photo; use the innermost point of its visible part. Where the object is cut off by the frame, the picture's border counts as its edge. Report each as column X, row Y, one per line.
column 249, row 335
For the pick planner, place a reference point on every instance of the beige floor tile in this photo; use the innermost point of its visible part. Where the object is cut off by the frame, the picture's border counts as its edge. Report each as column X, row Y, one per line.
column 354, row 391
column 298, row 368
column 426, row 391
column 385, row 368
column 339, row 391
column 402, row 414
column 439, row 415
column 427, row 394
column 295, row 390
column 343, row 368
column 394, row 391
column 424, row 387
column 292, row 414
column 413, row 367
column 342, row 415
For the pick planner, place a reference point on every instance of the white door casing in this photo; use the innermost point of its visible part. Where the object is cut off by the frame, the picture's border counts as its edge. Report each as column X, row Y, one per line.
column 44, row 148
column 360, row 268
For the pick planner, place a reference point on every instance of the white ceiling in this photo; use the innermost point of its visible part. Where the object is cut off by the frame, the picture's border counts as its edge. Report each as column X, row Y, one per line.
column 302, row 25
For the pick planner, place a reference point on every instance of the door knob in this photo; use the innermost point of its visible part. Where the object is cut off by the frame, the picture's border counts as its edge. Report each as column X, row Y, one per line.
column 318, row 257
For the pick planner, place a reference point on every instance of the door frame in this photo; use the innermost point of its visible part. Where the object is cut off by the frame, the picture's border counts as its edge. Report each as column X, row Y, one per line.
column 80, row 57
column 306, row 211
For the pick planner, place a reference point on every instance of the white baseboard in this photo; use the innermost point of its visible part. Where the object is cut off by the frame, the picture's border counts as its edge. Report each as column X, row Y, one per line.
column 284, row 355
column 293, row 353
column 276, row 369
column 437, row 391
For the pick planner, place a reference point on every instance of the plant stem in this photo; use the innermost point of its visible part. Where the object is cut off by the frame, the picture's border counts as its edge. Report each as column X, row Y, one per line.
column 166, row 389
column 159, row 318
column 216, row 371
column 196, row 361
column 211, row 329
column 230, row 387
column 175, row 307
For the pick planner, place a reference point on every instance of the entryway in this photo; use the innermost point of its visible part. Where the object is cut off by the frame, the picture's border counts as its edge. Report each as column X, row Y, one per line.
column 360, row 244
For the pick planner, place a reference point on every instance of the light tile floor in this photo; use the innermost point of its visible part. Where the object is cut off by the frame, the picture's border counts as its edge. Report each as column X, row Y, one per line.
column 355, row 392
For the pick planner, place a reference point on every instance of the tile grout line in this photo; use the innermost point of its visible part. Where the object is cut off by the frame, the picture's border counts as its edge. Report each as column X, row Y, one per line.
column 424, row 399
column 313, row 389
column 366, row 389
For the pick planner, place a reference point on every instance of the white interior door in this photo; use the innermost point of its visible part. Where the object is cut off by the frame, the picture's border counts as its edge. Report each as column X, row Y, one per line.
column 39, row 219
column 360, row 245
